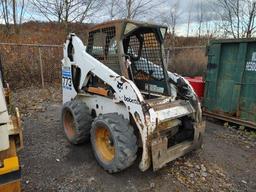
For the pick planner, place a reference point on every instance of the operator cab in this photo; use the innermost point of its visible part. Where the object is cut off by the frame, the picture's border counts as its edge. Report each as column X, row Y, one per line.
column 134, row 50
column 144, row 48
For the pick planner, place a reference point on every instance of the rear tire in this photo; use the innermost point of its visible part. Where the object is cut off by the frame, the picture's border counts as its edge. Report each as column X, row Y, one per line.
column 76, row 121
column 113, row 141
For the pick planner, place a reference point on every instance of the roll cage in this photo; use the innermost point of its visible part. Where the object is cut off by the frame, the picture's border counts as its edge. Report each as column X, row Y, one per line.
column 134, row 50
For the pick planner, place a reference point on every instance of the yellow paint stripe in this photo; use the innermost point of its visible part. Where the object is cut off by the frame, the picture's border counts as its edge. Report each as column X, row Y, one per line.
column 10, row 165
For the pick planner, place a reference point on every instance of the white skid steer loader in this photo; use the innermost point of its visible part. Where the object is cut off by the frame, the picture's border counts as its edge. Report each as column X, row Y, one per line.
column 118, row 93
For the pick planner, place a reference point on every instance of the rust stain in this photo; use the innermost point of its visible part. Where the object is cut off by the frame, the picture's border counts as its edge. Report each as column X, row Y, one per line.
column 138, row 119
column 167, row 124
column 145, row 107
column 7, row 94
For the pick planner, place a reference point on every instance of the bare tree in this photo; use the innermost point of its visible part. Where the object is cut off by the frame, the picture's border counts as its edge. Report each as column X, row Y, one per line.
column 200, row 17
column 131, row 9
column 251, row 14
column 113, row 8
column 5, row 13
column 18, row 9
column 189, row 16
column 12, row 12
column 172, row 17
column 237, row 16
column 171, row 20
column 52, row 10
column 22, row 10
column 135, row 8
column 67, row 10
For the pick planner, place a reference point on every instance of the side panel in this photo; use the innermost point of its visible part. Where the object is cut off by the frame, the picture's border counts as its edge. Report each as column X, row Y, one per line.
column 212, row 76
column 224, row 77
column 227, row 78
column 231, row 80
column 4, row 117
column 4, row 137
column 103, row 105
column 248, row 90
column 68, row 90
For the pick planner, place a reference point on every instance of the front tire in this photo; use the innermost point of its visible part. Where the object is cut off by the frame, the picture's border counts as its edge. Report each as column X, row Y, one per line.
column 76, row 121
column 113, row 142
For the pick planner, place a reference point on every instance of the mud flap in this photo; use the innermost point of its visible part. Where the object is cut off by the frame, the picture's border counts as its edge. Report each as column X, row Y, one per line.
column 161, row 154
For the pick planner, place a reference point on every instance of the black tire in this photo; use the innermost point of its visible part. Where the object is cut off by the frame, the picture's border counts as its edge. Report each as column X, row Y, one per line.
column 76, row 121
column 123, row 140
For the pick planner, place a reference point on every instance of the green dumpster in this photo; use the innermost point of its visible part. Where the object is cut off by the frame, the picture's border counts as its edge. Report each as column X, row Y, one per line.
column 230, row 83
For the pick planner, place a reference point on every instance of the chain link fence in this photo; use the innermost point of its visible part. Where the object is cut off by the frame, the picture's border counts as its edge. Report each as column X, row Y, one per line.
column 39, row 65
column 27, row 65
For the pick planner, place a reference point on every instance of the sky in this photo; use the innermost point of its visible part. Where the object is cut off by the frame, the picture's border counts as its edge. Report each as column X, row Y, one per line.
column 186, row 8
column 161, row 9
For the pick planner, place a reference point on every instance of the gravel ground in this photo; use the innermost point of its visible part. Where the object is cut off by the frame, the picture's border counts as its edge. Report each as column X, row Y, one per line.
column 227, row 161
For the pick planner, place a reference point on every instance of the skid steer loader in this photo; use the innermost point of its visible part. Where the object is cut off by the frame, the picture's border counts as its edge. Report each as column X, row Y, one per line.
column 118, row 93
column 10, row 140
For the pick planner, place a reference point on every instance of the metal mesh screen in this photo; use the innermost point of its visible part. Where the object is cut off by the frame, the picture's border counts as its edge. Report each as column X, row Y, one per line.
column 103, row 46
column 148, row 64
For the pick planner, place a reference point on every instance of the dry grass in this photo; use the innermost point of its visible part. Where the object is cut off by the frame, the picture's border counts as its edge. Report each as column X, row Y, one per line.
column 22, row 66
column 189, row 62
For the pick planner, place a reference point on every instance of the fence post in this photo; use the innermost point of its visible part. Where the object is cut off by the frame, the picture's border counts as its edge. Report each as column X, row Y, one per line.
column 41, row 66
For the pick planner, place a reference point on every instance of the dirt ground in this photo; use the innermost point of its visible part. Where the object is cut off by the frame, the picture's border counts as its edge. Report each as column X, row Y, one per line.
column 227, row 161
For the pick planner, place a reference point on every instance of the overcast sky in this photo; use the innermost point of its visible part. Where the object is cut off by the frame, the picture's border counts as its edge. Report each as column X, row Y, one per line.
column 162, row 8
column 186, row 8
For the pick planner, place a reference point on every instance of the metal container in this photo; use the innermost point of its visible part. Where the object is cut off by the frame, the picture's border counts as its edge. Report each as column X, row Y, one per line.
column 198, row 85
column 230, row 84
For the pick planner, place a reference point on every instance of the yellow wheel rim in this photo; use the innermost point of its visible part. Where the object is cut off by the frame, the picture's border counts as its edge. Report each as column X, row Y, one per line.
column 104, row 144
column 69, row 124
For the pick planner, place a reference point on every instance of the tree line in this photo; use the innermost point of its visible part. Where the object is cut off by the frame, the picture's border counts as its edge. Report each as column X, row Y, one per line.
column 225, row 18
